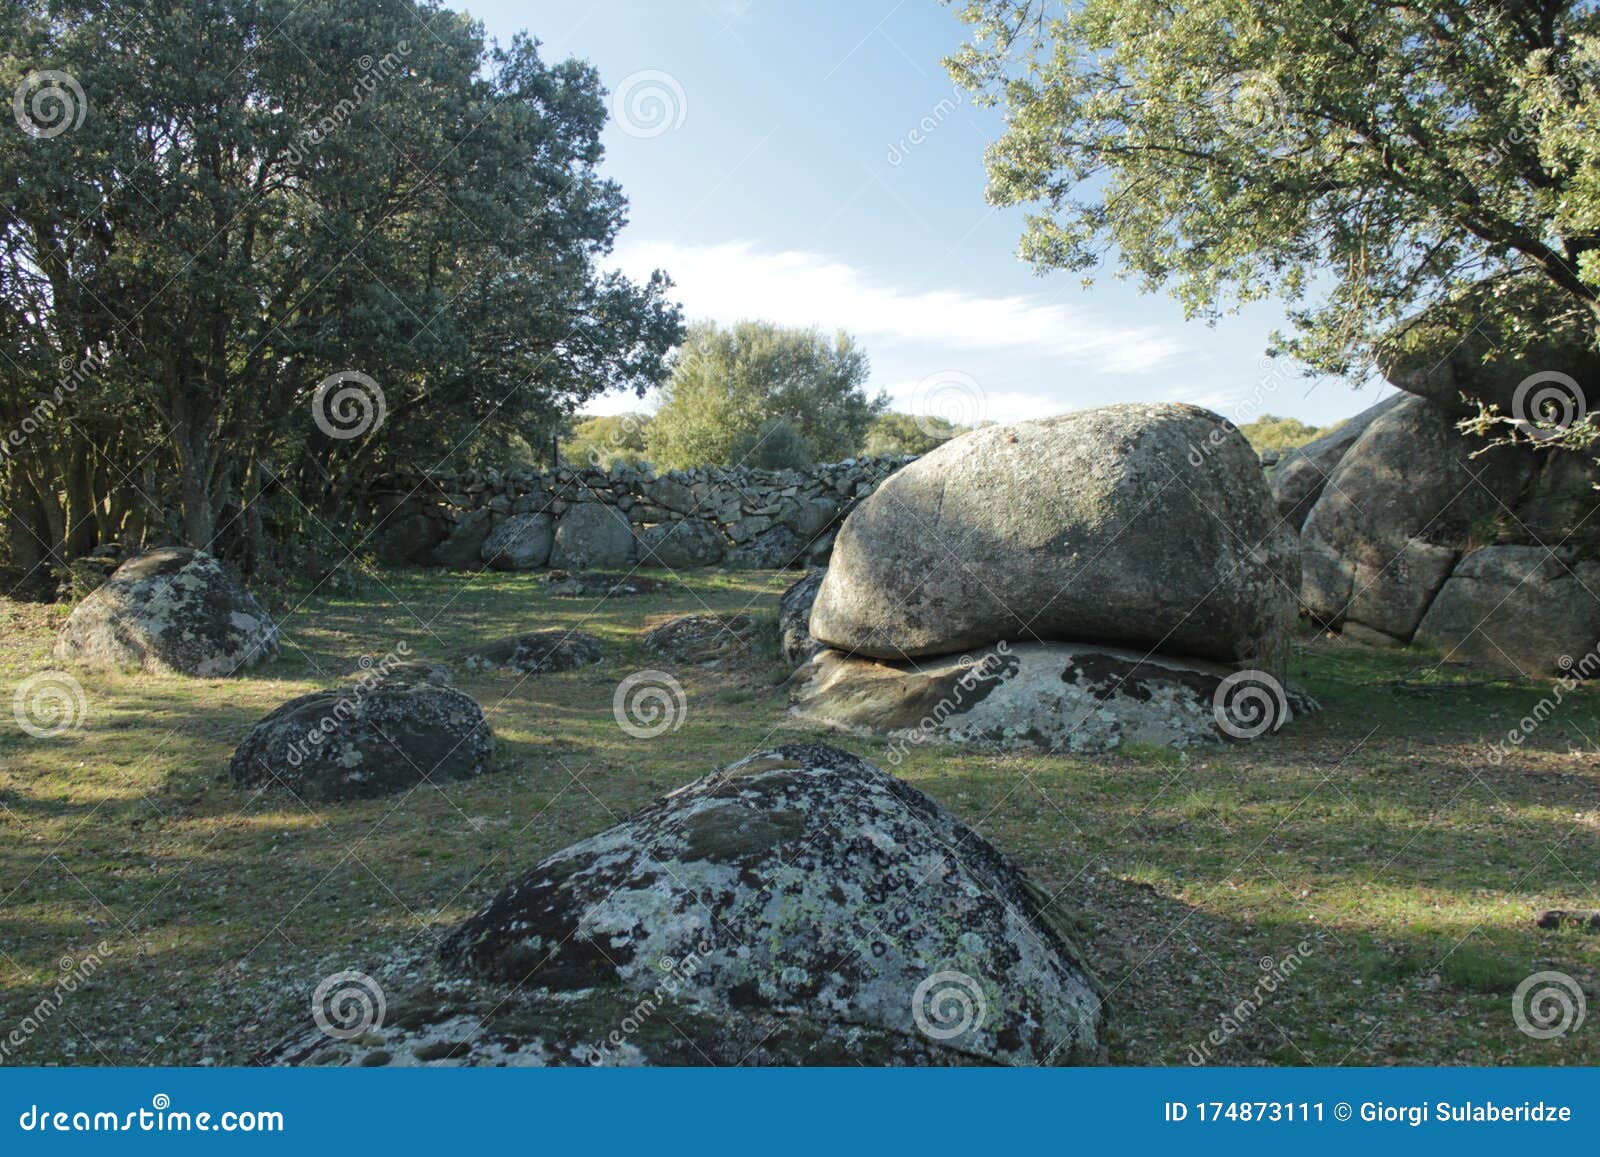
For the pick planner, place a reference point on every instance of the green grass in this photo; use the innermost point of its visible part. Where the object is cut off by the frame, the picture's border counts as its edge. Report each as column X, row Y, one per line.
column 1375, row 844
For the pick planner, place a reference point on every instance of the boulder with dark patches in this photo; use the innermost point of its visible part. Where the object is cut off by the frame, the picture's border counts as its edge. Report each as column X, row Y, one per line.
column 369, row 739
column 174, row 611
column 794, row 618
column 1143, row 524
column 592, row 534
column 678, row 545
column 1053, row 697
column 707, row 638
column 535, row 652
column 812, row 890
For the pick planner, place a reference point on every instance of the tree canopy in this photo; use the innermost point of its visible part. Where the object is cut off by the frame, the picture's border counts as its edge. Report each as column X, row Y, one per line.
column 1361, row 161
column 732, row 390
column 296, row 242
column 894, row 433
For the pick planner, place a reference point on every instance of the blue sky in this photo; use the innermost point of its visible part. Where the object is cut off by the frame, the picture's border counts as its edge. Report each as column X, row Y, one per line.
column 811, row 163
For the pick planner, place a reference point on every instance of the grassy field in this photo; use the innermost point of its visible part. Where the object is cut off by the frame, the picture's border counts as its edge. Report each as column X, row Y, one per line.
column 1376, row 855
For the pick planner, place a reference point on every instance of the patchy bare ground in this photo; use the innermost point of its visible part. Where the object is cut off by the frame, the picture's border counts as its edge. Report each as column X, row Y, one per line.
column 1377, row 860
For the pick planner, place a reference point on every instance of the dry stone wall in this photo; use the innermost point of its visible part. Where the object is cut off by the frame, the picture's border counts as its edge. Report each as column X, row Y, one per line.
column 576, row 518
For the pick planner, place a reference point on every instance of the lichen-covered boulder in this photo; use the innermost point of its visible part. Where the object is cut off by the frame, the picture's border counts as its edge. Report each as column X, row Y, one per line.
column 794, row 618
column 771, row 548
column 535, row 652
column 807, row 887
column 706, row 638
column 1144, row 524
column 592, row 534
column 1065, row 698
column 171, row 611
column 690, row 542
column 1524, row 608
column 1396, row 514
column 521, row 542
column 1298, row 478
column 369, row 739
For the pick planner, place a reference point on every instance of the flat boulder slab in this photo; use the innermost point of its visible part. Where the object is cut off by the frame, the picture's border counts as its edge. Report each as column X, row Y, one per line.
column 706, row 638
column 173, row 611
column 369, row 739
column 595, row 584
column 691, row 542
column 535, row 653
column 521, row 542
column 1067, row 698
column 802, row 887
column 1144, row 525
column 592, row 534
column 1397, row 513
column 794, row 619
column 1522, row 608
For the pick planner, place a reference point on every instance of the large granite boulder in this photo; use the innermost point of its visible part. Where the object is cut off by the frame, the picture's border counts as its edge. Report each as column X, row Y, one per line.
column 1522, row 607
column 373, row 738
column 794, row 618
column 592, row 534
column 173, row 611
column 1300, row 475
column 462, row 549
column 1145, row 524
column 535, row 652
column 771, row 548
column 691, row 542
column 521, row 542
column 1397, row 512
column 812, row 892
column 1067, row 698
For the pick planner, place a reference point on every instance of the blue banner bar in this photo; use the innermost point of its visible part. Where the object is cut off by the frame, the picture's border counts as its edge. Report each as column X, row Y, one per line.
column 657, row 1112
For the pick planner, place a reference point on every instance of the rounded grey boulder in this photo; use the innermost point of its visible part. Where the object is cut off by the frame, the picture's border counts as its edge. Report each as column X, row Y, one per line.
column 794, row 618
column 172, row 611
column 521, row 542
column 1147, row 525
column 809, row 887
column 690, row 542
column 369, row 739
column 592, row 534
column 536, row 652
column 705, row 638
